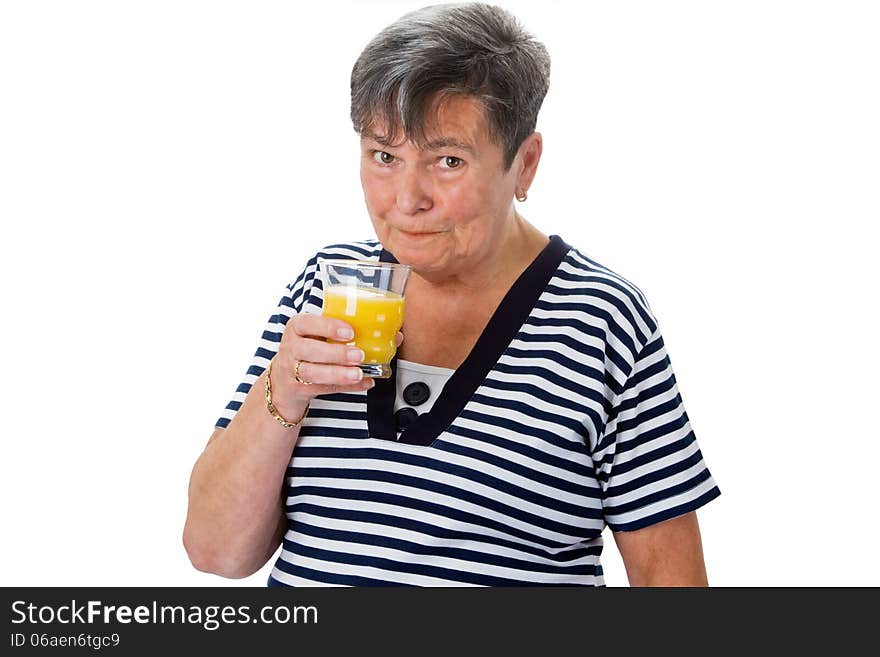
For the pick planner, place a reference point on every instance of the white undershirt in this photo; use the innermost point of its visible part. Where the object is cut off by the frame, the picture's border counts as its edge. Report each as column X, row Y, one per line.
column 434, row 377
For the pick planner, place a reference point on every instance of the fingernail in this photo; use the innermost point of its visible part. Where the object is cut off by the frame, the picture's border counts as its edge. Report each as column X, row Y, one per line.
column 355, row 355
column 345, row 333
column 355, row 374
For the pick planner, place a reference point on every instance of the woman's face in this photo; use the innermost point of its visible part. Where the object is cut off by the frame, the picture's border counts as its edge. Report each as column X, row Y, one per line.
column 441, row 209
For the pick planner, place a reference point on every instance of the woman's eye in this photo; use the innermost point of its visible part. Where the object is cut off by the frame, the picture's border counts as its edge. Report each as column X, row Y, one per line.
column 450, row 162
column 382, row 157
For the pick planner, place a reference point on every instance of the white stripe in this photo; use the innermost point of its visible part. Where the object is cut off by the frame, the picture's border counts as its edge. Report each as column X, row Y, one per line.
column 526, row 461
column 372, row 572
column 479, row 465
column 422, row 538
column 546, row 385
column 393, row 511
column 657, row 486
column 430, row 517
column 513, row 436
column 430, row 475
column 656, row 443
column 293, row 580
column 663, row 505
column 416, row 559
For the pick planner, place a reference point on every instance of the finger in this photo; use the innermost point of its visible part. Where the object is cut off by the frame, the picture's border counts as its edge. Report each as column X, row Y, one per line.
column 333, row 375
column 315, row 390
column 319, row 326
column 318, row 351
column 399, row 338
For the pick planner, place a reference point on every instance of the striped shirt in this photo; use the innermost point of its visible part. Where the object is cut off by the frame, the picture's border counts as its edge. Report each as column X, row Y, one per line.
column 564, row 418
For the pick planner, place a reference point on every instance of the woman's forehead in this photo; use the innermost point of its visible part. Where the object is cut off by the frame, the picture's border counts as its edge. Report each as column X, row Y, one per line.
column 456, row 122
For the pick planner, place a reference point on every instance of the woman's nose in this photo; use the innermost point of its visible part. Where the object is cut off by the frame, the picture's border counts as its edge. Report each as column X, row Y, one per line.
column 413, row 193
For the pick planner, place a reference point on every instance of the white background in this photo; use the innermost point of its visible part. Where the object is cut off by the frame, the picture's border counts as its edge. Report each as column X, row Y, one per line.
column 167, row 167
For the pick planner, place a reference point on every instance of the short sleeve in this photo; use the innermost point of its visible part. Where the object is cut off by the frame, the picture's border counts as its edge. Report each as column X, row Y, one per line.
column 295, row 299
column 649, row 466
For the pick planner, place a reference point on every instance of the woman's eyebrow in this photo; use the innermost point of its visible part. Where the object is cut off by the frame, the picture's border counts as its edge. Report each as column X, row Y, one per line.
column 382, row 140
column 448, row 142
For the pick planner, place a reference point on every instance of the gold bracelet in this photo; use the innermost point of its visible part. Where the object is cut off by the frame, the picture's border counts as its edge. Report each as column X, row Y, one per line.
column 272, row 410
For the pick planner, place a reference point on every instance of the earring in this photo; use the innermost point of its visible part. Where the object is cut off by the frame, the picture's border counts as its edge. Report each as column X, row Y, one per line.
column 521, row 196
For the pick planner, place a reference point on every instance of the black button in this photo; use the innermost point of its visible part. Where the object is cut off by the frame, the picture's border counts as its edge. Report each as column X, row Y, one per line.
column 405, row 417
column 416, row 393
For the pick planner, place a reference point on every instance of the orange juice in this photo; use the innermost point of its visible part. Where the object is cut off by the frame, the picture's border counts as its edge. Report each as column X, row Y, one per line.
column 375, row 315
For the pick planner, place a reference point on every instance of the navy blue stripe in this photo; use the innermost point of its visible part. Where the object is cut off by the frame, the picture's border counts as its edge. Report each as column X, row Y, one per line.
column 368, row 250
column 591, row 354
column 522, row 470
column 667, row 514
column 620, row 361
column 564, row 362
column 391, row 565
column 439, row 464
column 663, row 451
column 646, row 416
column 649, row 478
column 327, row 578
column 658, row 496
column 532, row 432
column 464, row 554
column 533, row 412
column 638, row 378
column 440, row 488
column 656, row 432
column 401, row 522
column 357, row 415
column 587, row 292
column 577, row 259
column 308, row 430
column 566, row 465
column 541, row 372
column 265, row 353
column 419, row 504
column 568, row 403
column 645, row 394
column 592, row 284
column 344, row 397
column 594, row 311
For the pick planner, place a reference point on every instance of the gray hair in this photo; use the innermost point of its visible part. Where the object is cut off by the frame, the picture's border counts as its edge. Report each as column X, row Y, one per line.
column 472, row 50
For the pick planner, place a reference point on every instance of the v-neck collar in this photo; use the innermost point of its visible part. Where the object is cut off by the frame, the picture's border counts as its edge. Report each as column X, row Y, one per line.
column 512, row 312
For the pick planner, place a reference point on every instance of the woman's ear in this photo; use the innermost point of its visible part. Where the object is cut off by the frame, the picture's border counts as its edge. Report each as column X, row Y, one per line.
column 529, row 156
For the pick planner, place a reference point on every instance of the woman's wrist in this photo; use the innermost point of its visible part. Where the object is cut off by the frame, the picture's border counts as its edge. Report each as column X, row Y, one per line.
column 288, row 413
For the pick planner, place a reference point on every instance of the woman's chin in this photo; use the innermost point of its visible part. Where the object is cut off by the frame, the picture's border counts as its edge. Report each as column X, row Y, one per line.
column 426, row 252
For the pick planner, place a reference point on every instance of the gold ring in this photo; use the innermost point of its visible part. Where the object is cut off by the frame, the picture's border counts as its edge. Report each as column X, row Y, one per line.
column 296, row 374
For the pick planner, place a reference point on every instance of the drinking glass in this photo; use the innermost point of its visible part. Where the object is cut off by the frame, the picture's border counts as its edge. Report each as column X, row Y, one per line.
column 369, row 295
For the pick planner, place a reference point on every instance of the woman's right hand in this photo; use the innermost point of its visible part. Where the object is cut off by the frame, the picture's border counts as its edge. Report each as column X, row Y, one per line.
column 329, row 367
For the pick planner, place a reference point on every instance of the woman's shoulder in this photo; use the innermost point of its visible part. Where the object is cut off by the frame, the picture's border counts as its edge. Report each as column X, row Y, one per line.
column 584, row 280
column 366, row 249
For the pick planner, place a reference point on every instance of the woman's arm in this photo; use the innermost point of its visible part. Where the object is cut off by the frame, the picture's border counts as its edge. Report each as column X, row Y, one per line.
column 235, row 518
column 669, row 553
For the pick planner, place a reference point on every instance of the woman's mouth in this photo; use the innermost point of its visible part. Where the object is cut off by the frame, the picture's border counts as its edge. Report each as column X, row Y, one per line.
column 420, row 234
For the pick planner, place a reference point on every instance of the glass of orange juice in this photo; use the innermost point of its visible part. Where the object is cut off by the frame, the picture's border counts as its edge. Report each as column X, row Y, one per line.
column 368, row 295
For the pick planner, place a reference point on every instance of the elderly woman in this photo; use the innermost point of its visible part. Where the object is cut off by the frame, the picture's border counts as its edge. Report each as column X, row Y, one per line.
column 531, row 404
